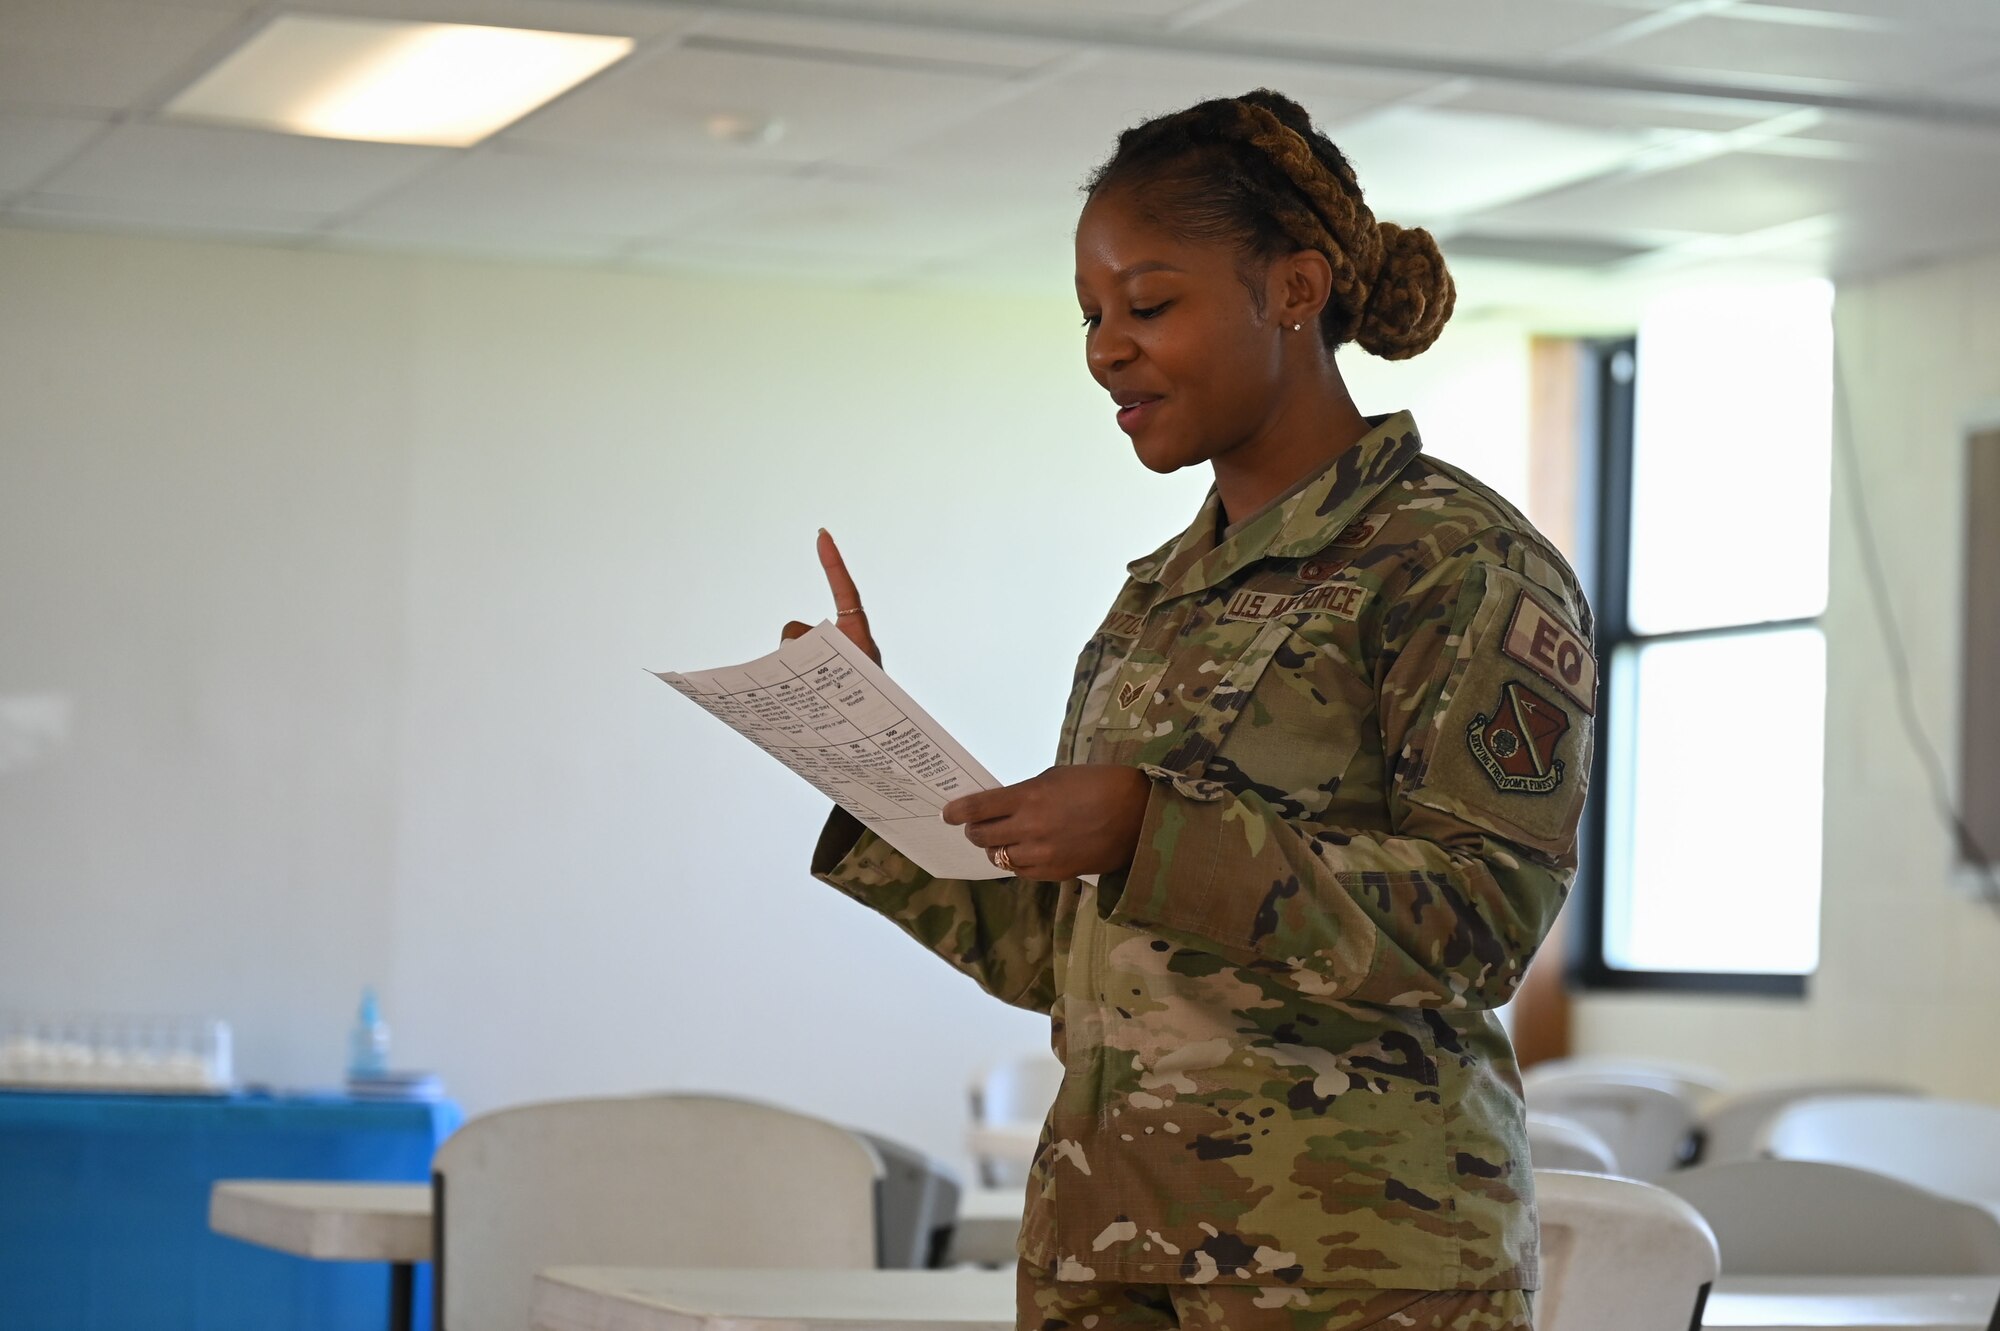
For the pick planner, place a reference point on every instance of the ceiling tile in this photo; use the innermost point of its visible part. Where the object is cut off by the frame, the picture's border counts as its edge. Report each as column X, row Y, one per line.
column 977, row 54
column 102, row 55
column 1881, row 137
column 561, row 195
column 33, row 145
column 1982, row 86
column 1485, row 29
column 1606, row 110
column 1900, row 209
column 1922, row 15
column 655, row 106
column 1044, row 143
column 1726, row 195
column 152, row 163
column 604, row 18
column 1896, row 57
column 1418, row 164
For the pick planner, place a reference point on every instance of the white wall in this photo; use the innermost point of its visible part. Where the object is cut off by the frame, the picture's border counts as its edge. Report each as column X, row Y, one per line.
column 1908, row 986
column 346, row 570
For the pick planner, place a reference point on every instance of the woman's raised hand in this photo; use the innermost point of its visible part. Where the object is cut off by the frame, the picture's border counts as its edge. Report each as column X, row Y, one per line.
column 853, row 620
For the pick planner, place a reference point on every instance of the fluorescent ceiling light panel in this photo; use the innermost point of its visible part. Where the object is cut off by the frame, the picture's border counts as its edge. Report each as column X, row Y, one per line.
column 448, row 84
column 1418, row 164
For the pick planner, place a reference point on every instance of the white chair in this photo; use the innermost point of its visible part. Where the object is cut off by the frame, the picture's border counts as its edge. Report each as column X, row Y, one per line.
column 1617, row 1253
column 1010, row 1098
column 1804, row 1218
column 1648, row 1129
column 658, row 1180
column 1564, row 1143
column 1730, row 1124
column 1691, row 1083
column 1949, row 1146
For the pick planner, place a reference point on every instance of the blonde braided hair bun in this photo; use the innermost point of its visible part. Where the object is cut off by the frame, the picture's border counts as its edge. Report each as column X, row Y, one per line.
column 1254, row 170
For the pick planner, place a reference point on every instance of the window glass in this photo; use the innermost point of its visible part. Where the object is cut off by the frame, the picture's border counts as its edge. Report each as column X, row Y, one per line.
column 1732, row 454
column 1713, row 833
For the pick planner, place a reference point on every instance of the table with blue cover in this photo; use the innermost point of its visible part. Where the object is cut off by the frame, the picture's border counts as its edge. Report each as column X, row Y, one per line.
column 104, row 1207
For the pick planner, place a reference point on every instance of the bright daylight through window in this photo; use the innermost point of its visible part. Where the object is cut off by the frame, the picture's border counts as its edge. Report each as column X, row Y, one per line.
column 1716, row 680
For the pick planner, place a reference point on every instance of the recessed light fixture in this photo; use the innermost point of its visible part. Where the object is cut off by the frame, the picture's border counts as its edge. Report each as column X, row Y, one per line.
column 387, row 81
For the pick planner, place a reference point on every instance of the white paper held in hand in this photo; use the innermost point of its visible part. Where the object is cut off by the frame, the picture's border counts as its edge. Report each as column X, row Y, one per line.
column 822, row 708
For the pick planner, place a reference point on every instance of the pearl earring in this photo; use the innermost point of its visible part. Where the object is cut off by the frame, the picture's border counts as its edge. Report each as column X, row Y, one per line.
column 1296, row 327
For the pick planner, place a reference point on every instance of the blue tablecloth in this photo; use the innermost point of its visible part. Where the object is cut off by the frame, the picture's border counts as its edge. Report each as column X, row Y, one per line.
column 104, row 1208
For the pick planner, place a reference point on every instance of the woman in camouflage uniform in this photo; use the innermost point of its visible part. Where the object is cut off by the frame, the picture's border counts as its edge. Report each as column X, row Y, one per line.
column 1325, row 757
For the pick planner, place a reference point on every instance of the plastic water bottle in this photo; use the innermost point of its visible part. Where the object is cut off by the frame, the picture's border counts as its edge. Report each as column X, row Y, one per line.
column 368, row 1047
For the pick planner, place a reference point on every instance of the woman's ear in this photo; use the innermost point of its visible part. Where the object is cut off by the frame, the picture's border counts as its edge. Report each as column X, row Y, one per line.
column 1303, row 282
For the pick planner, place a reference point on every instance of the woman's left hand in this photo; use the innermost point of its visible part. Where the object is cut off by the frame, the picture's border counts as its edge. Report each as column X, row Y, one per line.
column 1064, row 823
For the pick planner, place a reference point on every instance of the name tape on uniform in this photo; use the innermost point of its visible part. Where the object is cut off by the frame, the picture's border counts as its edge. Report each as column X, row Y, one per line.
column 1541, row 642
column 1123, row 624
column 1340, row 599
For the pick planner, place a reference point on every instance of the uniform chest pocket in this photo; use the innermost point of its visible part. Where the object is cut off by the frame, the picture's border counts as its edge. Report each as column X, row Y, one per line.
column 1298, row 728
column 1207, row 710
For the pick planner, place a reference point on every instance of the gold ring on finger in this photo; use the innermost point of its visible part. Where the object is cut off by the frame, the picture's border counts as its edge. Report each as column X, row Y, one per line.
column 1001, row 859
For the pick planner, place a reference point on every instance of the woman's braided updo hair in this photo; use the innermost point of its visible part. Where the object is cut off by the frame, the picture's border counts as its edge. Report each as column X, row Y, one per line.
column 1253, row 172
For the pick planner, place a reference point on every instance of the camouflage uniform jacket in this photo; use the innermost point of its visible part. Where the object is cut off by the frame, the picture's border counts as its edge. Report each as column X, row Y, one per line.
column 1366, row 715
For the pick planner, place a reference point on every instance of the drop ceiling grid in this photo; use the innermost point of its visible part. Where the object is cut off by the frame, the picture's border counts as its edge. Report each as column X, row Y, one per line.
column 969, row 170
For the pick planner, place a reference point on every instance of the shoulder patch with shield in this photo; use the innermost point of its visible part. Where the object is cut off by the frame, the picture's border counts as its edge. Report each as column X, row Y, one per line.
column 1518, row 740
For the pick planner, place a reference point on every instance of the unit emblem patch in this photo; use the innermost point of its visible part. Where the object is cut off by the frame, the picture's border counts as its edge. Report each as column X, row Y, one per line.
column 1517, row 742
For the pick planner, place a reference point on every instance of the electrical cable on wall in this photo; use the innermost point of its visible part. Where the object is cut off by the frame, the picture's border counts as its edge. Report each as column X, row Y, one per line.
column 1988, row 872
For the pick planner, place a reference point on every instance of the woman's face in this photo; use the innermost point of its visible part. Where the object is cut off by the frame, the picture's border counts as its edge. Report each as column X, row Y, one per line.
column 1172, row 332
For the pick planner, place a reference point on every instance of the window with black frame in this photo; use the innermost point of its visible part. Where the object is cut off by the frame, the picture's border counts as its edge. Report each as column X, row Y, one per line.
column 1712, row 489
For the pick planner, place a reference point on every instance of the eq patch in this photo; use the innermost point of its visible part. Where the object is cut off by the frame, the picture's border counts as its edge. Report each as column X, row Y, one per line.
column 1544, row 644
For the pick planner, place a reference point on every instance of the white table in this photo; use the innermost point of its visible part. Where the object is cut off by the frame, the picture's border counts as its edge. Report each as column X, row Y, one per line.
column 989, row 1220
column 334, row 1222
column 580, row 1298
column 1005, row 1141
column 1854, row 1303
column 602, row 1298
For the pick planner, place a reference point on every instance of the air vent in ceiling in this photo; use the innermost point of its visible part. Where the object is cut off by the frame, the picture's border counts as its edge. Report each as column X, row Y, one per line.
column 1558, row 251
